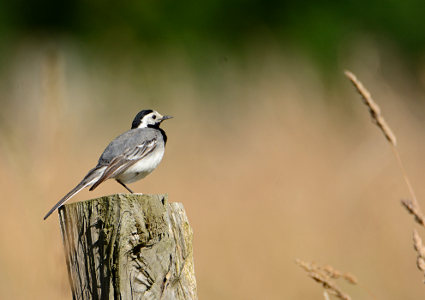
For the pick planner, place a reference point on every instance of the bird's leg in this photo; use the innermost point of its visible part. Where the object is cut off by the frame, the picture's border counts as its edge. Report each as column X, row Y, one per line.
column 128, row 189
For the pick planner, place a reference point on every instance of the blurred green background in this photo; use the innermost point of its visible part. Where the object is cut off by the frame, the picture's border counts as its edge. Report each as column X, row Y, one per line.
column 271, row 151
column 318, row 29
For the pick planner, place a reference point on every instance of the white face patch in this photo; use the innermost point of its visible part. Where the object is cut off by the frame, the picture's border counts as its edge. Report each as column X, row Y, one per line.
column 150, row 119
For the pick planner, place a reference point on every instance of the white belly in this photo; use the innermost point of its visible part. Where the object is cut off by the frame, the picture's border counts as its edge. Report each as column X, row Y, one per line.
column 142, row 168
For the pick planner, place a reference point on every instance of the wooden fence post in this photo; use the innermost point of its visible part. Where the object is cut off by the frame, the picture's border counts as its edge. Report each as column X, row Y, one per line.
column 128, row 246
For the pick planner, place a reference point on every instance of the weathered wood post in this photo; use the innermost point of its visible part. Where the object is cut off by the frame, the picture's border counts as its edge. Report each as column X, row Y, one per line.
column 128, row 247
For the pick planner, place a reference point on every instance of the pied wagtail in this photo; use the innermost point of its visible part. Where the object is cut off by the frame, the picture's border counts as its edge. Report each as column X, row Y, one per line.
column 129, row 157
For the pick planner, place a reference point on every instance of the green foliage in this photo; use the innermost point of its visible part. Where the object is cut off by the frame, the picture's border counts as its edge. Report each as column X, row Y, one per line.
column 318, row 27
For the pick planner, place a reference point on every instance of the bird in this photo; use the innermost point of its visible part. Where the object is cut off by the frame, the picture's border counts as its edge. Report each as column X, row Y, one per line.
column 129, row 157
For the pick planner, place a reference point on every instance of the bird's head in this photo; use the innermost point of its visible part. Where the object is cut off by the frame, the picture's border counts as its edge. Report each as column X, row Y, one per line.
column 148, row 118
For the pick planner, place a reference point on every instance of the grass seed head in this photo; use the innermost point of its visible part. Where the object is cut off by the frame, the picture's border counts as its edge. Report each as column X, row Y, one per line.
column 374, row 110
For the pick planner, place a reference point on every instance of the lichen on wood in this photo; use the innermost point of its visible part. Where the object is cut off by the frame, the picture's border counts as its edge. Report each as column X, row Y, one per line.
column 128, row 247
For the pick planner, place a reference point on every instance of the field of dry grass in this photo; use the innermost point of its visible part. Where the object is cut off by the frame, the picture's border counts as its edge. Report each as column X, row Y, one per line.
column 270, row 163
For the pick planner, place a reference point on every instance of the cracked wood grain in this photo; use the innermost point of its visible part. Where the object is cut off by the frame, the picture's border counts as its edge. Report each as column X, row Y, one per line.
column 128, row 246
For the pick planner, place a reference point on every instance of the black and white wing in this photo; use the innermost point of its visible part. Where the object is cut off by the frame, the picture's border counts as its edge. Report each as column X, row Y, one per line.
column 129, row 157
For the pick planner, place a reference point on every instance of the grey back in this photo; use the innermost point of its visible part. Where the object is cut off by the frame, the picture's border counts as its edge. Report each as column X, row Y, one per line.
column 129, row 139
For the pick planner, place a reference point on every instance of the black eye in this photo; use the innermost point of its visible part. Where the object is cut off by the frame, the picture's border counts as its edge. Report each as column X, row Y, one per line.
column 154, row 117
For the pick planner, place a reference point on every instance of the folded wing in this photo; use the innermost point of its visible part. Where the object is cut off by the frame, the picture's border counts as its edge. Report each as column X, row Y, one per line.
column 122, row 162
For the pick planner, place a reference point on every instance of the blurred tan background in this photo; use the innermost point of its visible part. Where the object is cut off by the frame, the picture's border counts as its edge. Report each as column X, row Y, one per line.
column 273, row 156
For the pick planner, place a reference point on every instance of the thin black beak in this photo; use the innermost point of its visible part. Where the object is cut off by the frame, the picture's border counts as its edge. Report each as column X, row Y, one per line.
column 166, row 117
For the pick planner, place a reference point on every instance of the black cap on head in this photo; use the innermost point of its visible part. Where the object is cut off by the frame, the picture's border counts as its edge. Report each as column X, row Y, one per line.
column 139, row 117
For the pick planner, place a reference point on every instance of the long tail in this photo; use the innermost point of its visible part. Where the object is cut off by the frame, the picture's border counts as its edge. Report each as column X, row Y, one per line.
column 92, row 176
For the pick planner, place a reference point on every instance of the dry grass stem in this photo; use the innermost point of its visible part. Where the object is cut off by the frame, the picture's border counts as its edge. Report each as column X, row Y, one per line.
column 374, row 109
column 407, row 181
column 325, row 275
column 326, row 295
column 412, row 206
column 335, row 274
column 379, row 120
column 420, row 250
column 415, row 211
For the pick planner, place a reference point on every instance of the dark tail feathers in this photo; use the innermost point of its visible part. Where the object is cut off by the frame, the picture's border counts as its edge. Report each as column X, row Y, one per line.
column 91, row 177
